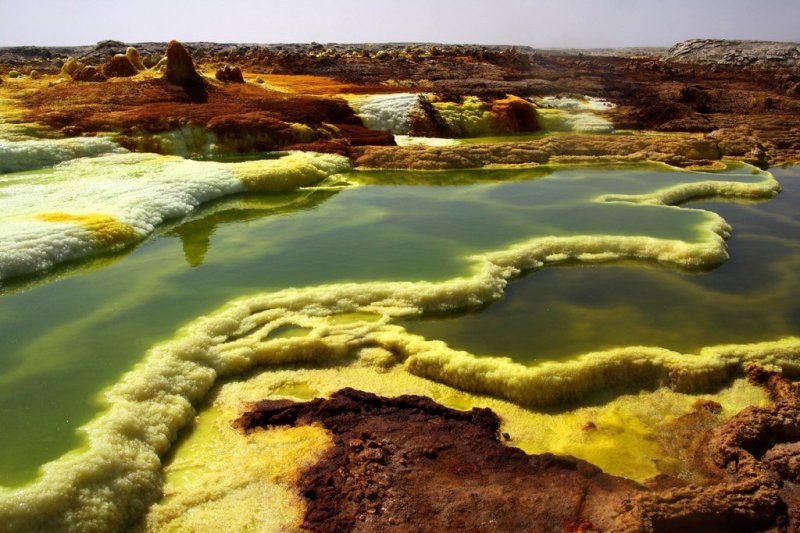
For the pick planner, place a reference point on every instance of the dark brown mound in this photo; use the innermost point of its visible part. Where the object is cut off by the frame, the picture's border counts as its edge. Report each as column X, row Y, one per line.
column 119, row 66
column 180, row 71
column 410, row 464
column 229, row 74
column 88, row 73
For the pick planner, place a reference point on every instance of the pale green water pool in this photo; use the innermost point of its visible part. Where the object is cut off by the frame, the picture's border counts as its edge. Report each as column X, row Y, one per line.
column 68, row 334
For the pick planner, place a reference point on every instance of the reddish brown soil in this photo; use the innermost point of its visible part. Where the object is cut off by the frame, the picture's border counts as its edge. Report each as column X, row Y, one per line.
column 409, row 464
column 742, row 109
column 234, row 111
column 758, row 103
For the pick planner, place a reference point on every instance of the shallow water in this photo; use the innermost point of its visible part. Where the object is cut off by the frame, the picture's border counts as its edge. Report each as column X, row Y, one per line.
column 568, row 311
column 67, row 335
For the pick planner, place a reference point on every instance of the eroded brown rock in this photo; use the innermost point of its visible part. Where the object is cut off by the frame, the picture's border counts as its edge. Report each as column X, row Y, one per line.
column 119, row 66
column 180, row 70
column 229, row 74
column 88, row 73
column 513, row 115
column 409, row 464
column 753, row 461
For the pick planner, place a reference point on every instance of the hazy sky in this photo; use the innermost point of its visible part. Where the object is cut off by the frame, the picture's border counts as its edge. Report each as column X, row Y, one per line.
column 542, row 23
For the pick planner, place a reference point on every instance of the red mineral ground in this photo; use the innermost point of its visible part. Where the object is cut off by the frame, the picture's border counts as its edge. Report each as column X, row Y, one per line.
column 410, row 464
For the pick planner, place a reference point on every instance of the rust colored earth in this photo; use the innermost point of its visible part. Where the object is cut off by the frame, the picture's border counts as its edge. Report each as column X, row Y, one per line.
column 236, row 111
column 410, row 464
column 745, row 112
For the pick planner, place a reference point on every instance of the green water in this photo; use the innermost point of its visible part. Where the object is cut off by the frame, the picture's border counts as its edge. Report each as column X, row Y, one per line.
column 568, row 311
column 68, row 334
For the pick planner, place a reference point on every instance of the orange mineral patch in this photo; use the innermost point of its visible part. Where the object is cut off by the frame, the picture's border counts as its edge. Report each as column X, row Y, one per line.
column 323, row 85
column 513, row 115
column 106, row 229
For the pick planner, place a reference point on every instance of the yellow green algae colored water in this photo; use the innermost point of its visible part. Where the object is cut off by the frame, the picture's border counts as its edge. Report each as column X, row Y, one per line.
column 402, row 244
column 756, row 290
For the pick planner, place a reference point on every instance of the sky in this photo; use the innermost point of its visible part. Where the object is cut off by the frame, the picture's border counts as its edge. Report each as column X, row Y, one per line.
column 539, row 23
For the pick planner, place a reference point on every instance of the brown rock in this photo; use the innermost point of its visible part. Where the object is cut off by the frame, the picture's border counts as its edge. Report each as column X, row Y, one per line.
column 675, row 149
column 410, row 464
column 119, row 66
column 757, row 457
column 513, row 115
column 88, row 73
column 332, row 146
column 180, row 70
column 230, row 75
column 426, row 122
column 360, row 136
column 71, row 66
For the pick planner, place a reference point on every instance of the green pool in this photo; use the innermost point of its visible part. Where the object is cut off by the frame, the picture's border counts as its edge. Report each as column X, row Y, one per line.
column 68, row 334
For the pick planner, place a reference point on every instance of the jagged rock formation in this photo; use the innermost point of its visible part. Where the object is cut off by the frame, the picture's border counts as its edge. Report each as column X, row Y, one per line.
column 737, row 53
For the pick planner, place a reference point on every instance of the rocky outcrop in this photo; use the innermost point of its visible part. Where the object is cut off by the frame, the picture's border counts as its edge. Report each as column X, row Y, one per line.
column 119, row 66
column 135, row 58
column 88, row 73
column 753, row 463
column 737, row 53
column 409, row 464
column 181, row 72
column 230, row 74
column 513, row 115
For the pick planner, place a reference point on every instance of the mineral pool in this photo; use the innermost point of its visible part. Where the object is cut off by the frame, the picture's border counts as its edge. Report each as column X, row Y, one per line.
column 132, row 283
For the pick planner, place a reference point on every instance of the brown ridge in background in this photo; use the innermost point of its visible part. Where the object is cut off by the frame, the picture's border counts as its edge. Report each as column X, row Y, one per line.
column 746, row 110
